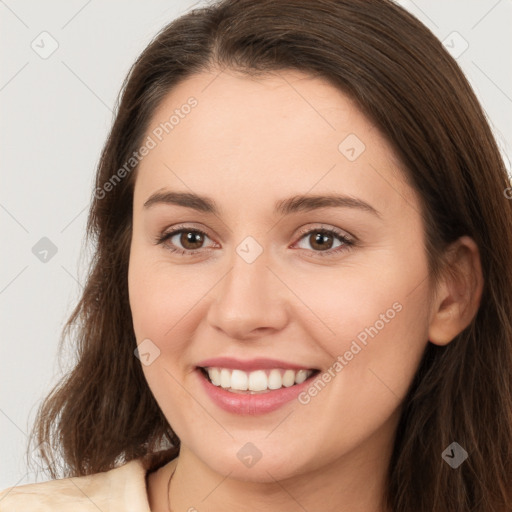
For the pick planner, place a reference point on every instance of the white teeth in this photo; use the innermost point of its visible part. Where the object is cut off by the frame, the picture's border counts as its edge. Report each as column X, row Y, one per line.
column 239, row 380
column 288, row 378
column 301, row 376
column 258, row 380
column 274, row 379
column 214, row 376
column 225, row 378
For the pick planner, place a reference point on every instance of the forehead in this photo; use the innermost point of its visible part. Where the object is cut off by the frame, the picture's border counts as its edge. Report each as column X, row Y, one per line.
column 263, row 136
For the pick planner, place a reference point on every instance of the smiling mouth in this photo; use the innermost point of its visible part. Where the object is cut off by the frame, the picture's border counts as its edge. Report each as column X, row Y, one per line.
column 257, row 381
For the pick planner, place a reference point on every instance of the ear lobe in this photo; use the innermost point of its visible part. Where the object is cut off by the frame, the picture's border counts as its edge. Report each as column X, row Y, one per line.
column 458, row 292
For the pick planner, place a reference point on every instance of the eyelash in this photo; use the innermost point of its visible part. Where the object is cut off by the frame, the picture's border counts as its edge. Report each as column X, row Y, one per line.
column 347, row 243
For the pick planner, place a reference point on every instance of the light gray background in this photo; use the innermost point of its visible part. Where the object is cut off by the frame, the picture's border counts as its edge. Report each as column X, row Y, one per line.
column 55, row 116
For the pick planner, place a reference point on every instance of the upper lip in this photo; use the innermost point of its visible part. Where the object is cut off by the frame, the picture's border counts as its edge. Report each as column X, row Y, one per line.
column 250, row 364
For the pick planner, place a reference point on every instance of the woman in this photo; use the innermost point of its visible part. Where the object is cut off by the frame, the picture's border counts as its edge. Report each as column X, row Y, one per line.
column 302, row 287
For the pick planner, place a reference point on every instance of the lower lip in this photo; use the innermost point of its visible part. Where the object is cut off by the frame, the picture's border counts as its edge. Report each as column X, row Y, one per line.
column 252, row 405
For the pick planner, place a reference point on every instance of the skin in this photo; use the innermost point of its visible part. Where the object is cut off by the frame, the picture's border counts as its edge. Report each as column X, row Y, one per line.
column 247, row 144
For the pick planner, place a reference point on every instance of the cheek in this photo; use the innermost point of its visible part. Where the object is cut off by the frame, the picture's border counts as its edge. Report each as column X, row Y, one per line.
column 371, row 323
column 166, row 302
column 383, row 302
column 379, row 336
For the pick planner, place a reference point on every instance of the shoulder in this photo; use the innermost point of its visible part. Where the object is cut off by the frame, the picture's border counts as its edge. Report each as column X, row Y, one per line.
column 121, row 488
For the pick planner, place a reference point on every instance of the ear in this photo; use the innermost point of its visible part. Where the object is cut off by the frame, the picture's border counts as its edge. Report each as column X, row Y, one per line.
column 458, row 293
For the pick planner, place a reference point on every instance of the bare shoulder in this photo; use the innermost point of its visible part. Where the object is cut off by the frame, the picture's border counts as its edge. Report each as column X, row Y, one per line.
column 123, row 487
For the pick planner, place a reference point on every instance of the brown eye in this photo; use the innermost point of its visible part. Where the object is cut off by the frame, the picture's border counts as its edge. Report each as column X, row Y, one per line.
column 191, row 239
column 183, row 240
column 324, row 241
column 320, row 240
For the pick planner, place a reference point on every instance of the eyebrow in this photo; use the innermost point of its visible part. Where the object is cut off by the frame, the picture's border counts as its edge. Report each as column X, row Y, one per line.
column 294, row 204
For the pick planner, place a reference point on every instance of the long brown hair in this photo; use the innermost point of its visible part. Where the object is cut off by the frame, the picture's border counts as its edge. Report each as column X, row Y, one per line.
column 103, row 413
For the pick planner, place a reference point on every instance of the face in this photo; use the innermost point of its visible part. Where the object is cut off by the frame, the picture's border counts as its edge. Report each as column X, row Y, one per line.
column 254, row 287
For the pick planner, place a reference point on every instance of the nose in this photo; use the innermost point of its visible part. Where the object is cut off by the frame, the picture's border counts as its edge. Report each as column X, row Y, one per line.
column 250, row 301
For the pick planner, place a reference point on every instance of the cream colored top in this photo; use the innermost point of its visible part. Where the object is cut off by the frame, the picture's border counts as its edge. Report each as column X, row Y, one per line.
column 122, row 489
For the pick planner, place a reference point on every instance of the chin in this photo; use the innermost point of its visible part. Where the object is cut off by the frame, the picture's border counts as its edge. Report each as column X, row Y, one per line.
column 246, row 462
